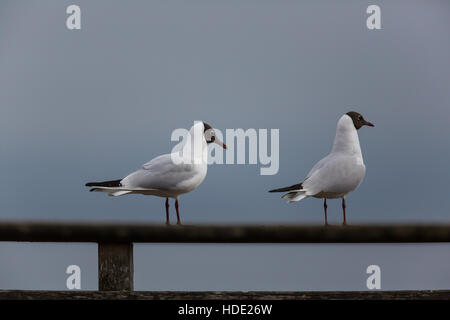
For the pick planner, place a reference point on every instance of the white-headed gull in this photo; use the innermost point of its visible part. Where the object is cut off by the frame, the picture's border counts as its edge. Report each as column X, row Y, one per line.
column 168, row 175
column 340, row 172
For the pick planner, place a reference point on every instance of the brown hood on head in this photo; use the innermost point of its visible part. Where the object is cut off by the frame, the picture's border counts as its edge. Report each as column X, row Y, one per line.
column 358, row 120
column 210, row 136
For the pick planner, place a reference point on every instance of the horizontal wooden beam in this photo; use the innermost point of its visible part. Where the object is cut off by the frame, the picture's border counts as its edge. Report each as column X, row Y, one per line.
column 128, row 233
column 227, row 295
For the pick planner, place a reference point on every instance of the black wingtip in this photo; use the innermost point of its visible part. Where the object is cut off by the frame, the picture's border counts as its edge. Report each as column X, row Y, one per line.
column 109, row 184
column 297, row 186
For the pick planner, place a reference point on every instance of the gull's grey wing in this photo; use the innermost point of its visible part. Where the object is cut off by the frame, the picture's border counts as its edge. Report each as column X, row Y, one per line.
column 335, row 174
column 317, row 166
column 159, row 173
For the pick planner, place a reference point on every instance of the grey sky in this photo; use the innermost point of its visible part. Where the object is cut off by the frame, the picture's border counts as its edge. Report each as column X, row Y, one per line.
column 97, row 103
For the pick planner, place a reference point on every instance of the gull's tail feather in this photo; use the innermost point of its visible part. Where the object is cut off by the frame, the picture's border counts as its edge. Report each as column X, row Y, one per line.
column 298, row 196
column 118, row 193
column 111, row 191
column 295, row 196
column 289, row 195
column 297, row 186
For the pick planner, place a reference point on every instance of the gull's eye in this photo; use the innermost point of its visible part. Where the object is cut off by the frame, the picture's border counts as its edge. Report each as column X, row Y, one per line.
column 210, row 135
column 359, row 118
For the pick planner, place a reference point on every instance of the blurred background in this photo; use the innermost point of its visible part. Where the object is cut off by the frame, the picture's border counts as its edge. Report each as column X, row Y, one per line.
column 95, row 104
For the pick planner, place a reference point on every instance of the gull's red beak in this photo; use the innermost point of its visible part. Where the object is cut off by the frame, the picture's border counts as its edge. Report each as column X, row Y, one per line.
column 220, row 143
column 370, row 124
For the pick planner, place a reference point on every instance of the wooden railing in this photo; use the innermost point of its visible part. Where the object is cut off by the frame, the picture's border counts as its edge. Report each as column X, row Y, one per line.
column 115, row 253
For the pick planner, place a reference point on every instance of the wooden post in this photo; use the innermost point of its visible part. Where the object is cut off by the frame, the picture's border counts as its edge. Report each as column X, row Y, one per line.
column 115, row 266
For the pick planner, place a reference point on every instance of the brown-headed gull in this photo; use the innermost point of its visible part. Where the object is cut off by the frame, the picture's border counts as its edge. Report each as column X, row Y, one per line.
column 168, row 175
column 340, row 172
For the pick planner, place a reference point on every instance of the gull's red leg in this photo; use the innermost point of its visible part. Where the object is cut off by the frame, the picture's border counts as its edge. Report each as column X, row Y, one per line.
column 167, row 211
column 343, row 210
column 325, row 208
column 178, row 212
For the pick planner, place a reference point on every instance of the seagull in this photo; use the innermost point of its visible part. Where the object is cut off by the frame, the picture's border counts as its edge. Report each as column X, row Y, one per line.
column 340, row 172
column 168, row 175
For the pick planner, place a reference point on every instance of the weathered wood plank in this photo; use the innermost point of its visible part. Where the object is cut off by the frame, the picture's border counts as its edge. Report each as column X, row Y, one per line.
column 127, row 233
column 115, row 266
column 227, row 295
